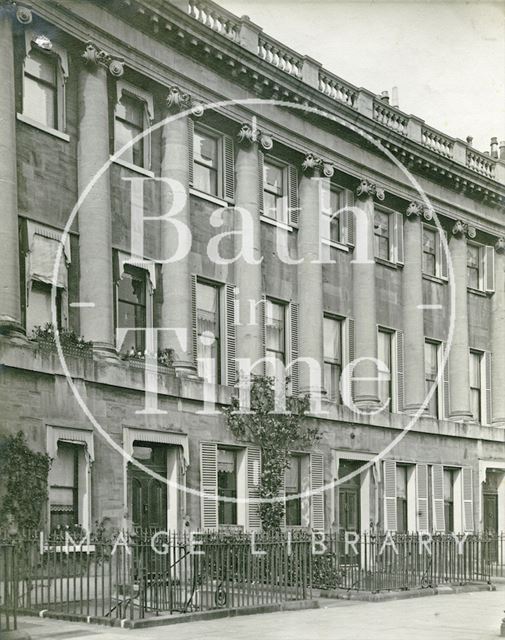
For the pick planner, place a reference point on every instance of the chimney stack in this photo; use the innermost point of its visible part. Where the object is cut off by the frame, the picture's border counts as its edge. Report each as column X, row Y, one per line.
column 494, row 147
column 385, row 97
column 394, row 97
column 469, row 140
column 502, row 150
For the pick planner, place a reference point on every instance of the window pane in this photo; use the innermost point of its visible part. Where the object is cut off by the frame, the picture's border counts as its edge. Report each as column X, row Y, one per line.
column 205, row 150
column 39, row 102
column 205, row 179
column 208, row 326
column 132, row 289
column 275, row 329
column 227, row 485
column 131, row 109
column 381, row 230
column 125, row 132
column 475, row 377
column 274, row 178
column 42, row 66
column 384, row 344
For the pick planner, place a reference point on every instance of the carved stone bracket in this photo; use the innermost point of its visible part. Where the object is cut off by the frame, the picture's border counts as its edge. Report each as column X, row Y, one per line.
column 367, row 189
column 250, row 135
column 500, row 245
column 178, row 100
column 461, row 229
column 312, row 163
column 96, row 56
column 419, row 209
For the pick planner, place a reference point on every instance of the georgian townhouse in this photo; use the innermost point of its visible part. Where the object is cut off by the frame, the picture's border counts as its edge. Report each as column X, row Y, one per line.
column 192, row 95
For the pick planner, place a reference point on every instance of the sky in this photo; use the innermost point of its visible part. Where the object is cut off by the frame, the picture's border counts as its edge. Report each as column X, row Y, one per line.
column 446, row 58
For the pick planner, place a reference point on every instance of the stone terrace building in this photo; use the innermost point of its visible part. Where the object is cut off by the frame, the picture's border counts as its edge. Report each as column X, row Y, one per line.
column 81, row 79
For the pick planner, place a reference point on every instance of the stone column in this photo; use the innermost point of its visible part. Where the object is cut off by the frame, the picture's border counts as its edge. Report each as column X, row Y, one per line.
column 10, row 286
column 310, row 272
column 366, row 391
column 176, row 310
column 459, row 375
column 498, row 336
column 412, row 297
column 249, row 330
column 95, row 218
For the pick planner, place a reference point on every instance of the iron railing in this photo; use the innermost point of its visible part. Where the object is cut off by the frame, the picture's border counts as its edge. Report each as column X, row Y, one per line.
column 129, row 576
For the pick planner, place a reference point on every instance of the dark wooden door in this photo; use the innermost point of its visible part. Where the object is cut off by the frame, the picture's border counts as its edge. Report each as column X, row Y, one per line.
column 491, row 523
column 148, row 494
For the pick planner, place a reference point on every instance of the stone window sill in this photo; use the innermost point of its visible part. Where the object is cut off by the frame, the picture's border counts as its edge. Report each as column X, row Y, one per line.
column 335, row 245
column 207, row 196
column 276, row 223
column 478, row 292
column 437, row 279
column 387, row 263
column 42, row 127
column 132, row 167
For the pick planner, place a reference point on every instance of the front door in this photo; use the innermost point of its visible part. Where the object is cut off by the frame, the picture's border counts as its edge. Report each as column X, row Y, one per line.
column 491, row 523
column 148, row 494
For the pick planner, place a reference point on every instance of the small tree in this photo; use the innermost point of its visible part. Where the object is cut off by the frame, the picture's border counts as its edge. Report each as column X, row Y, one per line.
column 23, row 474
column 276, row 434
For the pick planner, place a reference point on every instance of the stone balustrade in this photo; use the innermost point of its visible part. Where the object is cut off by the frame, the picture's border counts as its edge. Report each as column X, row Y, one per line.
column 337, row 89
column 480, row 162
column 437, row 142
column 280, row 56
column 214, row 17
column 390, row 117
column 244, row 32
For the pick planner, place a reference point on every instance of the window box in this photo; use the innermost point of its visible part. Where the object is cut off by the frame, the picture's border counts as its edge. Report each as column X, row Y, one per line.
column 71, row 344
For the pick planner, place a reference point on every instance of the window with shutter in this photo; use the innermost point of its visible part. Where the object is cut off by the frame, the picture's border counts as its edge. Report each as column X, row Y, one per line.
column 253, row 480
column 488, row 261
column 390, row 515
column 261, row 173
column 231, row 370
column 400, row 388
column 488, row 405
column 317, row 496
column 422, row 497
column 437, row 479
column 191, row 134
column 208, row 485
column 397, row 238
column 445, row 388
column 293, row 356
column 293, row 203
column 347, row 392
column 228, row 169
column 468, row 500
column 333, row 356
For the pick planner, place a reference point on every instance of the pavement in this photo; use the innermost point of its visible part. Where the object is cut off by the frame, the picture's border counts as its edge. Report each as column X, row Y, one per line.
column 464, row 616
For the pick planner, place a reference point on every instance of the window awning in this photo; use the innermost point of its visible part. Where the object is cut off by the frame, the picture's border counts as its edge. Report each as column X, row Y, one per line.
column 67, row 434
column 159, row 437
column 43, row 246
column 126, row 258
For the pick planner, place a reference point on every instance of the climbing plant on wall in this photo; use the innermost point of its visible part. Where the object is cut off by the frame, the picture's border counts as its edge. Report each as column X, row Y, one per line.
column 23, row 478
column 276, row 434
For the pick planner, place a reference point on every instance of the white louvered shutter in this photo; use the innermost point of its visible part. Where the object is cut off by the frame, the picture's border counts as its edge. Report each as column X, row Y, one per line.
column 194, row 325
column 445, row 389
column 191, row 143
column 422, row 497
column 467, row 500
column 231, row 368
column 390, row 519
column 208, row 485
column 347, row 218
column 400, row 377
column 398, row 238
column 317, row 495
column 294, row 370
column 349, row 354
column 253, row 481
column 228, row 169
column 261, row 177
column 437, row 477
column 293, row 203
column 488, row 264
column 263, row 326
column 488, row 362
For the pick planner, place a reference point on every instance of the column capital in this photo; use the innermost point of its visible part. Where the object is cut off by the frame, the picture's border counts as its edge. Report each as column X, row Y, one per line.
column 178, row 100
column 250, row 134
column 367, row 189
column 462, row 229
column 93, row 55
column 312, row 164
column 417, row 210
column 500, row 245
